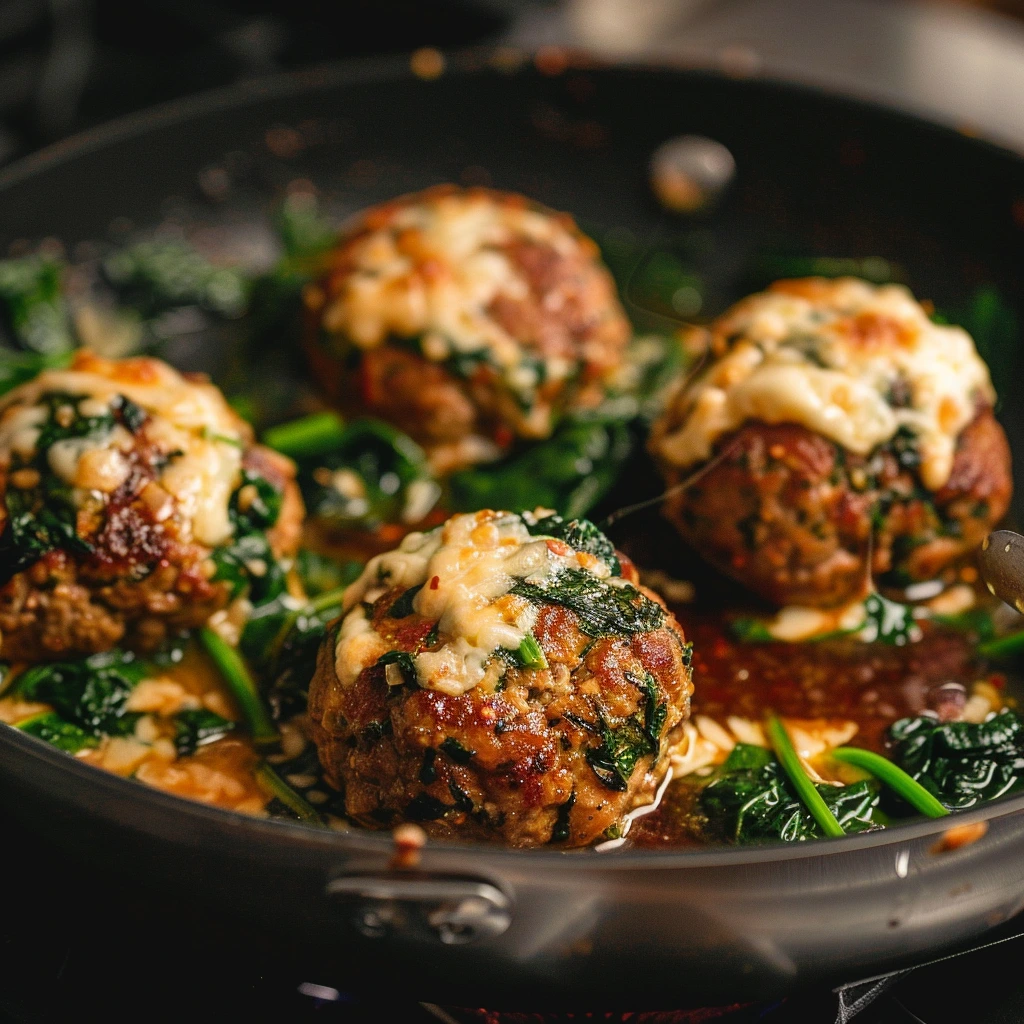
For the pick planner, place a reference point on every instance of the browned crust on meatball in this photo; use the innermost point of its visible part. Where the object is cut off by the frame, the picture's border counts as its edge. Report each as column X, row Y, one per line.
column 141, row 582
column 526, row 779
column 285, row 535
column 790, row 515
column 571, row 311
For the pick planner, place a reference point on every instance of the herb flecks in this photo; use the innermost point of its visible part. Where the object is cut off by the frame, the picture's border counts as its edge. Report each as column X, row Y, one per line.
column 579, row 534
column 603, row 608
column 247, row 561
column 622, row 747
column 749, row 799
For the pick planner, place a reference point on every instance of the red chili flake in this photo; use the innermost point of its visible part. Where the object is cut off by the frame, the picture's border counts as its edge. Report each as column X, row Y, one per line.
column 435, row 582
column 503, row 435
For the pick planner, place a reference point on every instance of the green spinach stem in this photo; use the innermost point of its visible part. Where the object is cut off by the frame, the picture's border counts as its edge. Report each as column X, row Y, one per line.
column 1003, row 647
column 806, row 790
column 308, row 437
column 894, row 777
column 322, row 603
column 242, row 686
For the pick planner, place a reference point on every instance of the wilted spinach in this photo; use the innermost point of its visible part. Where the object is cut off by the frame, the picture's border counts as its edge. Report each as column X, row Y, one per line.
column 570, row 472
column 749, row 799
column 321, row 575
column 247, row 560
column 579, row 534
column 621, row 748
column 195, row 727
column 44, row 517
column 373, row 474
column 156, row 276
column 603, row 609
column 52, row 729
column 962, row 763
column 90, row 694
column 33, row 309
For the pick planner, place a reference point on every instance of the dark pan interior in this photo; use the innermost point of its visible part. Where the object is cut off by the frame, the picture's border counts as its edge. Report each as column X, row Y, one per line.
column 816, row 176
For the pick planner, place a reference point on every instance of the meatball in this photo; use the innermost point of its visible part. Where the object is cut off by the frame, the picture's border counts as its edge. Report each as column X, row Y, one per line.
column 134, row 504
column 468, row 318
column 833, row 419
column 502, row 676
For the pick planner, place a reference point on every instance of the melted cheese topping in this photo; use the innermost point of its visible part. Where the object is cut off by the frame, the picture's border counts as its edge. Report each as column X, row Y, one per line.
column 845, row 359
column 185, row 416
column 433, row 269
column 467, row 569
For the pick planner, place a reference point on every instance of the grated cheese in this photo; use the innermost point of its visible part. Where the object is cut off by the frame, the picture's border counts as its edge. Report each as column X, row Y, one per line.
column 471, row 563
column 186, row 416
column 433, row 268
column 831, row 356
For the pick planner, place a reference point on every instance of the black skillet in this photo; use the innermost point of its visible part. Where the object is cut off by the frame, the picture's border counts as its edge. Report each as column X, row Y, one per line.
column 816, row 175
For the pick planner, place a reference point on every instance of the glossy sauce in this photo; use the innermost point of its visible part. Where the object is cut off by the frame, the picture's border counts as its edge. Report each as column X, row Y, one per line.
column 870, row 684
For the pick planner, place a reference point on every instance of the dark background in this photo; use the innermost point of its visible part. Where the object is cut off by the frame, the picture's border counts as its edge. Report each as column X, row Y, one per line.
column 69, row 64
column 72, row 943
column 66, row 65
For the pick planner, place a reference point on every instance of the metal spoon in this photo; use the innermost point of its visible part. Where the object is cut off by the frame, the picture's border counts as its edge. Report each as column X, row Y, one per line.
column 1001, row 561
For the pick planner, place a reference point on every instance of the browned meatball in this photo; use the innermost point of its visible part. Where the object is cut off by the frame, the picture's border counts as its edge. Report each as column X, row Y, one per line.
column 833, row 418
column 468, row 318
column 420, row 715
column 125, row 487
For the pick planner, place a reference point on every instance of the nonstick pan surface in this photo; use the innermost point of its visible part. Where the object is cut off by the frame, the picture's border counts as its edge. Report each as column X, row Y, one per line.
column 816, row 175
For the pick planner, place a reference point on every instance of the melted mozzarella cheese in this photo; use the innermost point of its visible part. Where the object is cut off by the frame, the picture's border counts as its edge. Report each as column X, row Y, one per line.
column 830, row 356
column 466, row 569
column 186, row 416
column 433, row 270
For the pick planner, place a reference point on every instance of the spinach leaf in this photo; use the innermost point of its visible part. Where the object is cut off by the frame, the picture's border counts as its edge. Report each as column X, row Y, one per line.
column 247, row 560
column 961, row 763
column 751, row 631
column 32, row 305
column 18, row 367
column 888, row 622
column 154, row 277
column 615, row 758
column 579, row 534
column 570, row 471
column 404, row 661
column 749, row 799
column 425, row 807
column 44, row 517
column 37, row 524
column 51, row 728
column 374, row 474
column 621, row 748
column 562, row 830
column 456, row 751
column 195, row 727
column 992, row 321
column 320, row 574
column 281, row 640
column 304, row 231
column 403, row 606
column 90, row 693
column 603, row 609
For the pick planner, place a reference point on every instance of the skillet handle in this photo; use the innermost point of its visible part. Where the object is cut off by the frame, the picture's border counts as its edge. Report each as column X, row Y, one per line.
column 451, row 910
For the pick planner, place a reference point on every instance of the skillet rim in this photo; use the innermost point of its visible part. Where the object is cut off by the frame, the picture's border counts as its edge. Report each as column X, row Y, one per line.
column 466, row 63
